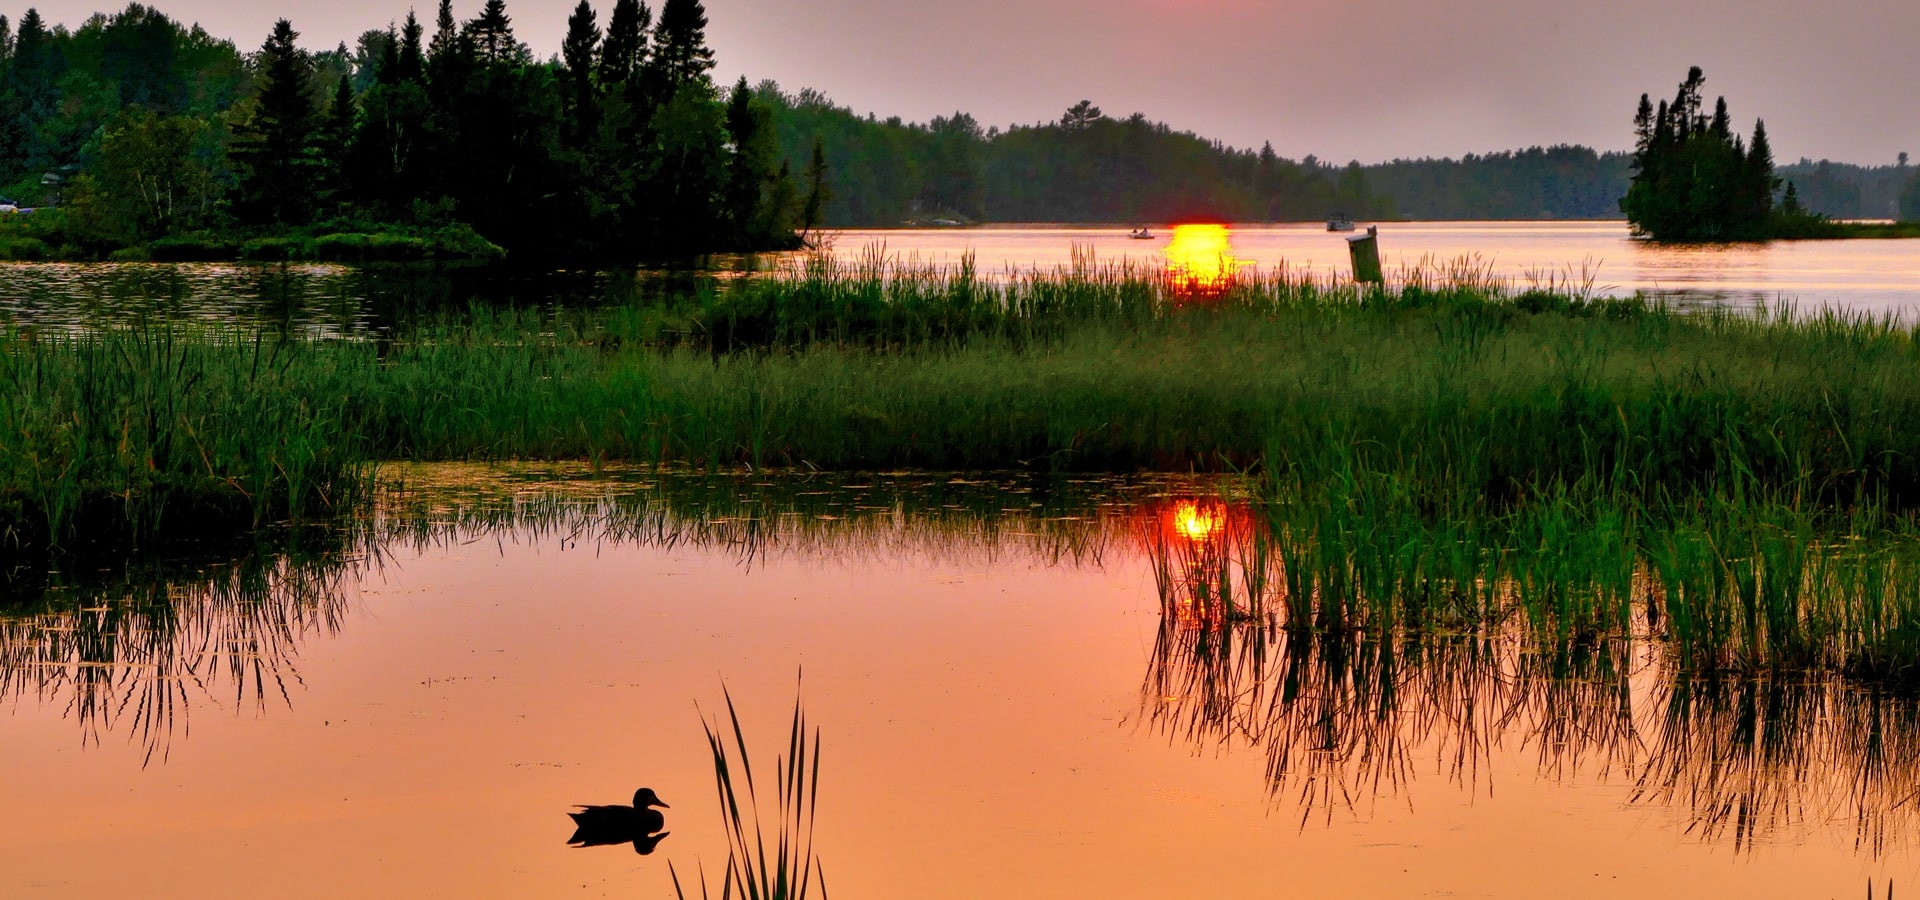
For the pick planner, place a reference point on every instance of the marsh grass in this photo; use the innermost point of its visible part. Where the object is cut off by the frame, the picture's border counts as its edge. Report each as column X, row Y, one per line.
column 792, row 868
column 121, row 439
column 1448, row 452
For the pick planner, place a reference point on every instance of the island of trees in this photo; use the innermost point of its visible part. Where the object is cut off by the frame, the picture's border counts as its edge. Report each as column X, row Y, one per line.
column 1696, row 180
column 442, row 138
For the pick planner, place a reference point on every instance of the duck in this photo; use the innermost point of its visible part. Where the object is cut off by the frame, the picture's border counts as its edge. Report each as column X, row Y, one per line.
column 639, row 824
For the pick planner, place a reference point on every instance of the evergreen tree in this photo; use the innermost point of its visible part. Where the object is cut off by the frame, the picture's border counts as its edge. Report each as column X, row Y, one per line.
column 410, row 66
column 680, row 53
column 491, row 35
column 334, row 139
column 29, row 99
column 578, row 53
column 446, row 33
column 817, row 189
column 1694, row 179
column 275, row 146
column 1910, row 201
column 625, row 49
column 750, row 167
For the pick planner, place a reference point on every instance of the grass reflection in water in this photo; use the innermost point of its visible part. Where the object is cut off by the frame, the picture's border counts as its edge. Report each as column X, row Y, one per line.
column 1343, row 707
column 1347, row 716
column 135, row 653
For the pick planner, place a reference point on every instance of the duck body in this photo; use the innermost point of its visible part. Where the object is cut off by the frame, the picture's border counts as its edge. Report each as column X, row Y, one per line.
column 600, row 826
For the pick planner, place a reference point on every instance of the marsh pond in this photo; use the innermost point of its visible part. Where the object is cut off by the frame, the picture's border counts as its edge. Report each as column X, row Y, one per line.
column 1024, row 686
column 1658, row 639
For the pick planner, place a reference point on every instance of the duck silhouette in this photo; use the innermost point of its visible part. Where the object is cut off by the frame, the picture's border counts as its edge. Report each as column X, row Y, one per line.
column 601, row 826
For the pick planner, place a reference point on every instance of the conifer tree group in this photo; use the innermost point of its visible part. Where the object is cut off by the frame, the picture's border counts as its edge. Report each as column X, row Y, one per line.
column 621, row 148
column 1696, row 180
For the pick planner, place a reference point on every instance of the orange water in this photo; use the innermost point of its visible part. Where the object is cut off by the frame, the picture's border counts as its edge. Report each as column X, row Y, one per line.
column 985, row 734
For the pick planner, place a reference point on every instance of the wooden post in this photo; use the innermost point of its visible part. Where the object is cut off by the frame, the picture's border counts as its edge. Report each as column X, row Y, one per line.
column 1365, row 251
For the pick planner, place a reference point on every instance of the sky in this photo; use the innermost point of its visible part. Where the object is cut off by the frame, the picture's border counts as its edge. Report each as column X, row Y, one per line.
column 1370, row 80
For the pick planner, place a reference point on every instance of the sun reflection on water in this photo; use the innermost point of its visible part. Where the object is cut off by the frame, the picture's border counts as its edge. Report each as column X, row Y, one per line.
column 1200, row 260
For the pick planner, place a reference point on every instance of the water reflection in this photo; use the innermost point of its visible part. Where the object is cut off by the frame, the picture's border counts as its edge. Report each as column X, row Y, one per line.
column 318, row 300
column 135, row 654
column 1200, row 261
column 607, row 826
column 1345, row 717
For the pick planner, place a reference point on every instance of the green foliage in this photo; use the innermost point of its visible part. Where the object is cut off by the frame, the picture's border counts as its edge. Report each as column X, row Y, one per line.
column 615, row 154
column 1910, row 200
column 1696, row 181
column 280, row 165
column 1559, row 182
column 1087, row 167
column 157, row 175
column 121, row 438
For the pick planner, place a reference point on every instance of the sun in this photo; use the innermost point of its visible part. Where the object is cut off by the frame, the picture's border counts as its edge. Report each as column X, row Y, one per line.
column 1200, row 259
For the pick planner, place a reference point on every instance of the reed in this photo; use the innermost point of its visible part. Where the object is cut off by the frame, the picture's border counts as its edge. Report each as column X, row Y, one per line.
column 793, row 868
column 119, row 439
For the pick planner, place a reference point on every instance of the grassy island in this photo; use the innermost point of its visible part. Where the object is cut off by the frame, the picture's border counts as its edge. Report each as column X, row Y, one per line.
column 1752, row 468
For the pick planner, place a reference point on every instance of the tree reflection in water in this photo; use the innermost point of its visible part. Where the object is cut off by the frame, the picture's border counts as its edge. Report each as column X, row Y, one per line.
column 1342, row 716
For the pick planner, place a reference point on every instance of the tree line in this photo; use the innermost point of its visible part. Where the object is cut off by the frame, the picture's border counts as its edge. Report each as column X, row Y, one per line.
column 1085, row 167
column 1088, row 167
column 621, row 147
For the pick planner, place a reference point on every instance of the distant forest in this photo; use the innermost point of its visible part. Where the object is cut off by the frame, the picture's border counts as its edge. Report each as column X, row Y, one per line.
column 151, row 137
column 155, row 137
column 1088, row 167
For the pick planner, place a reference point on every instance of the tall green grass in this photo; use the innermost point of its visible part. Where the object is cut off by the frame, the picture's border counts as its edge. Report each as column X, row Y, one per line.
column 124, row 438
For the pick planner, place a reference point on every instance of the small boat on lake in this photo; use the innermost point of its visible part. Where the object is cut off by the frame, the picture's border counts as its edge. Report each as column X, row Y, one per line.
column 1141, row 234
column 1339, row 222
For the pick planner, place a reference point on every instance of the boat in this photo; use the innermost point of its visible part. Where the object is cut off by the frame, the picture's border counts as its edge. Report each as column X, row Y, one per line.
column 1339, row 222
column 1140, row 234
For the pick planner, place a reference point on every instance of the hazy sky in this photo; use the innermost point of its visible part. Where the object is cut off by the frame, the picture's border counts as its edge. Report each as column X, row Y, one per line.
column 1367, row 80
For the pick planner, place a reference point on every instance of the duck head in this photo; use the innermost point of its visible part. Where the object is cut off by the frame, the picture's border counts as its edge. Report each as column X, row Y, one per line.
column 645, row 797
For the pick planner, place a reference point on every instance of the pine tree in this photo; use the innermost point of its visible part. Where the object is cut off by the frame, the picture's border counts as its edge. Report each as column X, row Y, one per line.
column 578, row 52
column 750, row 167
column 335, row 138
column 492, row 36
column 817, row 190
column 626, row 45
column 1694, row 179
column 275, row 146
column 411, row 64
column 1760, row 180
column 680, row 53
column 446, row 33
column 29, row 99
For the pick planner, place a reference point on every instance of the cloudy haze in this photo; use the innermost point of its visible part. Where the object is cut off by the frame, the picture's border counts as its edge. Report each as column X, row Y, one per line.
column 1357, row 80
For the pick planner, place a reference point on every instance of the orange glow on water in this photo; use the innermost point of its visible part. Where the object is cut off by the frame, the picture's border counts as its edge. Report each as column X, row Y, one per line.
column 1196, row 523
column 1200, row 260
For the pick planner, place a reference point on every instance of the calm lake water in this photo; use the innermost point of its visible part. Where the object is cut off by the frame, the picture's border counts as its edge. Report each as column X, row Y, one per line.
column 1013, row 694
column 1872, row 275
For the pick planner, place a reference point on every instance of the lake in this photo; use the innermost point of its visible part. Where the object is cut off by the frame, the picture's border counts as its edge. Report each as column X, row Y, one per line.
column 1879, row 276
column 1018, row 686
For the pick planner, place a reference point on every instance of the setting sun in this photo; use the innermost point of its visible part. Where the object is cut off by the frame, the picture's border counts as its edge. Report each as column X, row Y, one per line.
column 1200, row 259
